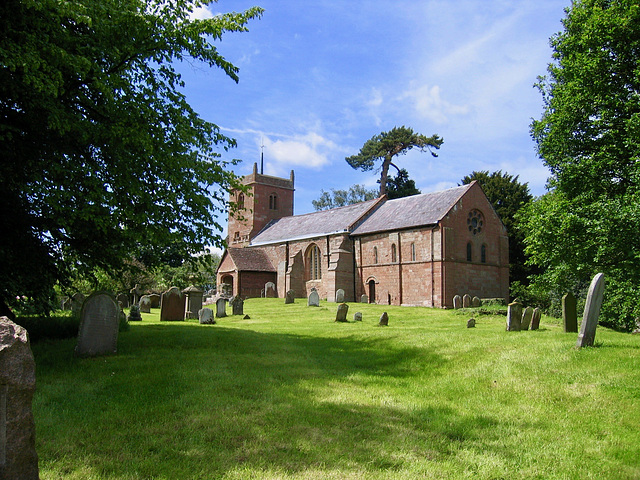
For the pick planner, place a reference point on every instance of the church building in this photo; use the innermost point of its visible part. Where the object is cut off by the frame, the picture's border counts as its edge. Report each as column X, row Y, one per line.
column 419, row 250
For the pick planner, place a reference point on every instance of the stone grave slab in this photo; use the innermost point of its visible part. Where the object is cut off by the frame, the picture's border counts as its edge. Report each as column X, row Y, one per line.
column 340, row 296
column 514, row 317
column 145, row 304
column 535, row 319
column 466, row 301
column 237, row 305
column 341, row 314
column 99, row 322
column 289, row 297
column 314, row 298
column 570, row 313
column 457, row 302
column 384, row 320
column 172, row 306
column 270, row 290
column 527, row 315
column 221, row 308
column 587, row 334
column 205, row 316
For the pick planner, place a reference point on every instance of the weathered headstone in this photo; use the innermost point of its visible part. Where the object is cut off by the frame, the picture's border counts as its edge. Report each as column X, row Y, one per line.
column 155, row 300
column 514, row 316
column 570, row 313
column 134, row 314
column 270, row 290
column 237, row 305
column 289, row 297
column 476, row 302
column 172, row 306
column 466, row 301
column 123, row 298
column 193, row 301
column 471, row 323
column 205, row 316
column 314, row 298
column 18, row 457
column 221, row 308
column 145, row 304
column 457, row 302
column 76, row 304
column 364, row 298
column 99, row 322
column 527, row 315
column 340, row 296
column 357, row 317
column 592, row 306
column 384, row 319
column 535, row 319
column 341, row 314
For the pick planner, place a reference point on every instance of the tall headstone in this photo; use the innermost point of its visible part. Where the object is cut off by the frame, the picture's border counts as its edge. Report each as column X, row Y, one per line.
column 289, row 297
column 384, row 320
column 457, row 302
column 270, row 290
column 205, row 316
column 527, row 315
column 172, row 306
column 145, row 304
column 221, row 308
column 99, row 322
column 535, row 319
column 18, row 457
column 341, row 314
column 193, row 301
column 514, row 316
column 570, row 313
column 340, row 296
column 476, row 302
column 314, row 298
column 466, row 301
column 592, row 306
column 237, row 305
column 364, row 298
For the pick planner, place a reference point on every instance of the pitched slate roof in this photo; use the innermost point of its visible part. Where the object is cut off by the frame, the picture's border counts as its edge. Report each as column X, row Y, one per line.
column 316, row 224
column 414, row 211
column 250, row 260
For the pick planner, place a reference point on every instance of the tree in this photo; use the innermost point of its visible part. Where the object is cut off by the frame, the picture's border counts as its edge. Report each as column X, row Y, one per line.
column 340, row 198
column 589, row 137
column 103, row 157
column 507, row 196
column 385, row 146
column 401, row 185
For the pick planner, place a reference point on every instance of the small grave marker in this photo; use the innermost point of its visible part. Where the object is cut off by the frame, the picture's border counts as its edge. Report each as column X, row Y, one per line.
column 221, row 308
column 457, row 302
column 314, row 298
column 527, row 315
column 384, row 320
column 592, row 306
column 466, row 301
column 535, row 320
column 340, row 296
column 289, row 297
column 341, row 314
column 270, row 290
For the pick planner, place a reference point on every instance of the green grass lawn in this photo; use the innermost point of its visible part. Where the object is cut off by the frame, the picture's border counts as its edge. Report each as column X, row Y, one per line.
column 290, row 394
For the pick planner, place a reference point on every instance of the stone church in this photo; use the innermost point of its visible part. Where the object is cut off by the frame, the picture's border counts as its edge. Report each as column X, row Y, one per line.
column 419, row 250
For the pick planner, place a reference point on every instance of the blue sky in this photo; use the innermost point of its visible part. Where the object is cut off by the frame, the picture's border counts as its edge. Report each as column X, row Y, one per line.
column 318, row 79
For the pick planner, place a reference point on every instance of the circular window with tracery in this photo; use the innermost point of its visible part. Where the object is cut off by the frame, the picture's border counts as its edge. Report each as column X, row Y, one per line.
column 475, row 221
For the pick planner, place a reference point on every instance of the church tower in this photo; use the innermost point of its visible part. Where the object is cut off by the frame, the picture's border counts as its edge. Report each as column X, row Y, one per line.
column 268, row 198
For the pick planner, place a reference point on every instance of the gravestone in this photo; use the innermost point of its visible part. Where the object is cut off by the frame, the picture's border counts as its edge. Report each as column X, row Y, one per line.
column 592, row 306
column 155, row 300
column 18, row 457
column 99, row 322
column 172, row 306
column 123, row 298
column 476, row 302
column 193, row 301
column 270, row 290
column 384, row 320
column 221, row 308
column 364, row 298
column 145, row 304
column 527, row 315
column 341, row 315
column 535, row 319
column 466, row 301
column 514, row 317
column 205, row 316
column 570, row 313
column 457, row 302
column 471, row 323
column 237, row 305
column 134, row 314
column 357, row 317
column 340, row 296
column 314, row 298
column 289, row 297
column 76, row 304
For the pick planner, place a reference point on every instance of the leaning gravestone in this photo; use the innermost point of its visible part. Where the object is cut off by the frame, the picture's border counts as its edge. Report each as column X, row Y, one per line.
column 527, row 315
column 205, row 316
column 364, row 298
column 476, row 302
column 341, row 315
column 18, row 457
column 457, row 302
column 172, row 306
column 570, row 313
column 357, row 317
column 99, row 322
column 514, row 316
column 145, row 304
column 289, row 297
column 535, row 319
column 340, row 296
column 221, row 308
column 384, row 320
column 237, row 305
column 270, row 290
column 314, row 298
column 466, row 301
column 134, row 314
column 591, row 312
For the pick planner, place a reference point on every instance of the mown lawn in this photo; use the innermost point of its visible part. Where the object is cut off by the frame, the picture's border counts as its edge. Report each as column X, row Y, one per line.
column 290, row 394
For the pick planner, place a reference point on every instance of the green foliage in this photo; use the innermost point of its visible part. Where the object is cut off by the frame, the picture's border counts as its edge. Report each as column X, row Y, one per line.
column 339, row 198
column 58, row 326
column 589, row 136
column 103, row 158
column 401, row 185
column 383, row 147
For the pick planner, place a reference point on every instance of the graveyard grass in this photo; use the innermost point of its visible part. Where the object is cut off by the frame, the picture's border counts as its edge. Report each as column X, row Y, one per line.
column 290, row 394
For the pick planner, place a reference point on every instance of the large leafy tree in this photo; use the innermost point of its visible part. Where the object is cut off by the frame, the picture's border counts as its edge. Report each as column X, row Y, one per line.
column 589, row 136
column 340, row 198
column 401, row 185
column 381, row 149
column 103, row 157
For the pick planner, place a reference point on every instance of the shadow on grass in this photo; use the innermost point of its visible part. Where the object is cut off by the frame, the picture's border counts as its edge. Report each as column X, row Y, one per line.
column 183, row 401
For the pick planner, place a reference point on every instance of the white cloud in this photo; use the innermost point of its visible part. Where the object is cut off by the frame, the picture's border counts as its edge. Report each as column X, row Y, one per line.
column 201, row 13
column 310, row 150
column 428, row 103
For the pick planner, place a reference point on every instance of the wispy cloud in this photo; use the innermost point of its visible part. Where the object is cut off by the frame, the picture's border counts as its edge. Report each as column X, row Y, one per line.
column 428, row 103
column 201, row 13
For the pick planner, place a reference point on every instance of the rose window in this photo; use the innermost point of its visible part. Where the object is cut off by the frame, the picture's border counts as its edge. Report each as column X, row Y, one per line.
column 475, row 221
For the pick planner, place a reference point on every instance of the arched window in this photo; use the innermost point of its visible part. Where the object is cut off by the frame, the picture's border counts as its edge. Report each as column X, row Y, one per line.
column 314, row 261
column 469, row 252
column 240, row 200
column 483, row 254
column 394, row 253
column 236, row 236
column 273, row 202
column 375, row 254
column 413, row 252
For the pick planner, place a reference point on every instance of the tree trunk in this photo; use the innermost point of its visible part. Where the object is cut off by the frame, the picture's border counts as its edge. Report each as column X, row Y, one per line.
column 383, row 176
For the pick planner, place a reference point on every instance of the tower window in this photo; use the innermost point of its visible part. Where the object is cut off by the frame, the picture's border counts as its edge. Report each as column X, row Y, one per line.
column 240, row 200
column 273, row 202
column 394, row 253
